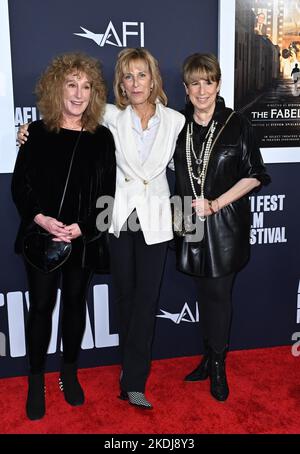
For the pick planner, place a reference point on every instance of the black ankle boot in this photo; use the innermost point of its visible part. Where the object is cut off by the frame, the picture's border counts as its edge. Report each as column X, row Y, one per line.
column 69, row 384
column 35, row 404
column 202, row 370
column 218, row 381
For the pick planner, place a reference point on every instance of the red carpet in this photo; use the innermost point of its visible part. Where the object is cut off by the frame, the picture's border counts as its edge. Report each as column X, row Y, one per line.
column 264, row 399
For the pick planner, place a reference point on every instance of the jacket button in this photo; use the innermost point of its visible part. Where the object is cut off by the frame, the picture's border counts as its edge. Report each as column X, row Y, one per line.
column 145, row 182
column 127, row 179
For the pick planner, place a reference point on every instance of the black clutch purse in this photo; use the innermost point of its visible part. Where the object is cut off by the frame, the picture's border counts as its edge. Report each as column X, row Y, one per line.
column 39, row 249
column 43, row 253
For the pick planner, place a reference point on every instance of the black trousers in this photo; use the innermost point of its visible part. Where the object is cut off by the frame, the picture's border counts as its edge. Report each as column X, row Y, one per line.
column 214, row 297
column 42, row 298
column 137, row 270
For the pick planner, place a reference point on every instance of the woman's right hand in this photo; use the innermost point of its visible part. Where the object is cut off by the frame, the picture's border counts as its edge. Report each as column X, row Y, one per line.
column 53, row 226
column 22, row 134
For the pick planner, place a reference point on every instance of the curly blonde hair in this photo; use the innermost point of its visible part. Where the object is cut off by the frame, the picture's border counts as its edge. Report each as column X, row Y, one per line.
column 124, row 59
column 49, row 90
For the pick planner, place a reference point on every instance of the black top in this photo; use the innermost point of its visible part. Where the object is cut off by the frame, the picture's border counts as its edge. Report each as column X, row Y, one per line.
column 40, row 174
column 225, row 246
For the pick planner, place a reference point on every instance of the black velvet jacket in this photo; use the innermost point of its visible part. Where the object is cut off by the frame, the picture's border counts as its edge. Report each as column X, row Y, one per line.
column 225, row 246
column 39, row 178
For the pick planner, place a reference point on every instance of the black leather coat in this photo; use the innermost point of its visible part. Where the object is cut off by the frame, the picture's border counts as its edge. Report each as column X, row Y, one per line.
column 225, row 246
column 39, row 178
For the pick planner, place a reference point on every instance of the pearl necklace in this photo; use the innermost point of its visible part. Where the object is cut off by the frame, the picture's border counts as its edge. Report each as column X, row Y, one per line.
column 203, row 158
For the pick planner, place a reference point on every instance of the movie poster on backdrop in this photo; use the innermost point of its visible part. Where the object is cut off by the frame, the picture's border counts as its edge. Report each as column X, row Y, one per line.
column 259, row 50
column 267, row 69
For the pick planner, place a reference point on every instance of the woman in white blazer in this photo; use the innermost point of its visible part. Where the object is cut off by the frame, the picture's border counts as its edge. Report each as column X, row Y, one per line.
column 145, row 133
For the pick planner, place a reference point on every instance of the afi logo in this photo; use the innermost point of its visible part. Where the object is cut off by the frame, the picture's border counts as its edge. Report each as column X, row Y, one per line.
column 111, row 37
column 185, row 315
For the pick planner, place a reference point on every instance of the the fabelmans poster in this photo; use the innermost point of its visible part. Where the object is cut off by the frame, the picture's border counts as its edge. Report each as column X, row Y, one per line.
column 267, row 69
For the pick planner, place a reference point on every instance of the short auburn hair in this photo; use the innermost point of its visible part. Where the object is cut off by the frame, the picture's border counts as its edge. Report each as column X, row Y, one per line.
column 201, row 65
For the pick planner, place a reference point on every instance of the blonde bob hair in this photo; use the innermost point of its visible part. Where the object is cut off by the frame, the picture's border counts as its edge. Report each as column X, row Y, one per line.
column 124, row 59
column 49, row 90
column 201, row 66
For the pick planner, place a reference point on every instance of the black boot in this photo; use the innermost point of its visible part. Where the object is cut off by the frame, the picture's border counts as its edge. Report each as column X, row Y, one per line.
column 69, row 384
column 35, row 404
column 202, row 370
column 218, row 381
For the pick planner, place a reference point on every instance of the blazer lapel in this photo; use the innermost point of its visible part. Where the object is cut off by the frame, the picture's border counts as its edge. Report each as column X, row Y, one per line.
column 159, row 155
column 128, row 143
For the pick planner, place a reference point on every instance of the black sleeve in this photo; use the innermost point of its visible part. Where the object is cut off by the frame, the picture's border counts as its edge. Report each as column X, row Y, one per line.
column 108, row 183
column 252, row 165
column 23, row 194
column 103, row 183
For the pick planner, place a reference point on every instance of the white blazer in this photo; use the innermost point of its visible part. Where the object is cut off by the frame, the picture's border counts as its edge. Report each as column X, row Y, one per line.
column 143, row 187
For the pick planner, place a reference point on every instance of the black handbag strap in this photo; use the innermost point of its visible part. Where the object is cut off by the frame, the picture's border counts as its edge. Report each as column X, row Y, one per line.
column 69, row 172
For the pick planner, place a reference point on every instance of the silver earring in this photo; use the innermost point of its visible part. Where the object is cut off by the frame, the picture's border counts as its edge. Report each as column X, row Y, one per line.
column 124, row 93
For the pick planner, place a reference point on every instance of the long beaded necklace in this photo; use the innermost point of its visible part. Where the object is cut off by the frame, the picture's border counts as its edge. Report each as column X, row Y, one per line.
column 201, row 161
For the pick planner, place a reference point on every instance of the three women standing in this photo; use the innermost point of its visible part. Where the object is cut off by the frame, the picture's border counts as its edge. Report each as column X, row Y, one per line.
column 217, row 164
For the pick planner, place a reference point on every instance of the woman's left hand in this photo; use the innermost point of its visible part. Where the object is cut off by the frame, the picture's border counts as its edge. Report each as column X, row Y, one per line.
column 73, row 231
column 204, row 207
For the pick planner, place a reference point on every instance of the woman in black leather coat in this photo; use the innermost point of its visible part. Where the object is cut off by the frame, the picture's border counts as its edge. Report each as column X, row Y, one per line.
column 217, row 165
column 71, row 97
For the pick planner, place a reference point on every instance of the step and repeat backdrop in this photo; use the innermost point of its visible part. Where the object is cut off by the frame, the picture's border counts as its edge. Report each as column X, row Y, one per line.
column 266, row 311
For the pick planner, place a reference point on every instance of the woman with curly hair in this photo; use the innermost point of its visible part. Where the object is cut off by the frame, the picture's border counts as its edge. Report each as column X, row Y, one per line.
column 71, row 99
